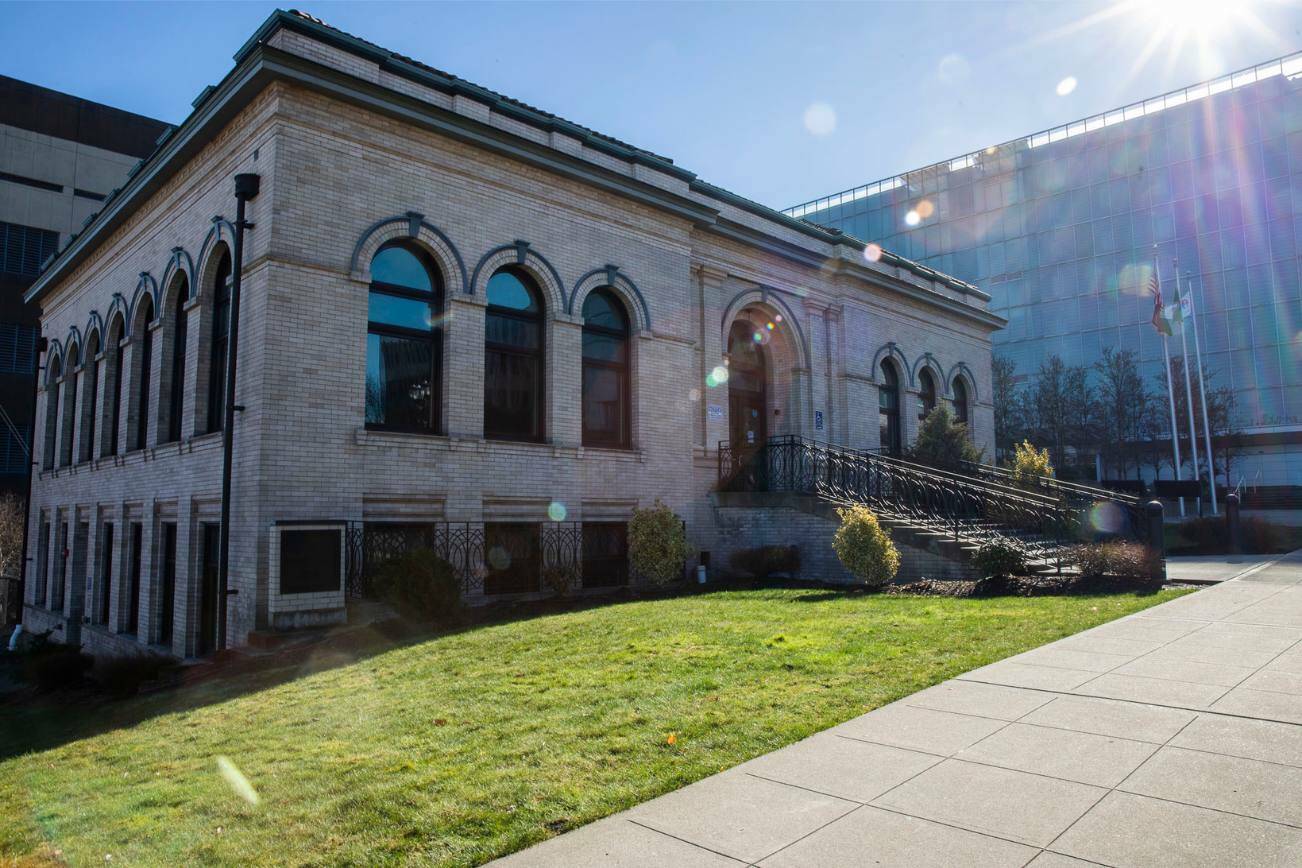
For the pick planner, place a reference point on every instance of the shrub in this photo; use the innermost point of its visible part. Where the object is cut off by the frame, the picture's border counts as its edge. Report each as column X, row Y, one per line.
column 765, row 561
column 1029, row 464
column 419, row 583
column 1212, row 533
column 53, row 666
column 943, row 442
column 1119, row 559
column 122, row 676
column 657, row 543
column 1000, row 557
column 865, row 549
column 560, row 580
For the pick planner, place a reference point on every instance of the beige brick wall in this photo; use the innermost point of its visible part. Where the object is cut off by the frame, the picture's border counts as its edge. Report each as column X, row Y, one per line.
column 330, row 172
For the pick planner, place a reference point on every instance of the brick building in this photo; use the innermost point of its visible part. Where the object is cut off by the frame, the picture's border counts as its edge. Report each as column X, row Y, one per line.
column 458, row 312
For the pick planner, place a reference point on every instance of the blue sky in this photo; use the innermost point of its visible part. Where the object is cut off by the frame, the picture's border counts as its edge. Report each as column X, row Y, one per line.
column 725, row 90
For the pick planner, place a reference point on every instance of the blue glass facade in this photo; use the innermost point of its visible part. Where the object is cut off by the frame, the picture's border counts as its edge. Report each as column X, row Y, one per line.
column 1062, row 229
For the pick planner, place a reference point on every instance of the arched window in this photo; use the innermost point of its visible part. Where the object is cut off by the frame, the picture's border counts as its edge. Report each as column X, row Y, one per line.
column 113, row 419
column 513, row 358
column 926, row 394
column 221, row 321
column 144, row 368
column 403, row 341
column 960, row 400
column 92, row 365
column 605, row 371
column 69, row 408
column 52, row 389
column 176, row 370
column 888, row 409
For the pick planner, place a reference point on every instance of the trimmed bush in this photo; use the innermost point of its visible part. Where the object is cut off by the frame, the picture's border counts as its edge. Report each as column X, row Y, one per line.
column 52, row 666
column 1029, row 464
column 560, row 580
column 1000, row 557
column 419, row 583
column 1121, row 560
column 1212, row 533
column 122, row 676
column 865, row 549
column 657, row 544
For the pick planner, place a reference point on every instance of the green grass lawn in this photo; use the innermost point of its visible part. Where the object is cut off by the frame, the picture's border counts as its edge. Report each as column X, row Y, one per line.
column 463, row 747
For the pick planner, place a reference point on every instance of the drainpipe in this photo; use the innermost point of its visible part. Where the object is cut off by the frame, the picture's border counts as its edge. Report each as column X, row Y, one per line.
column 41, row 346
column 246, row 188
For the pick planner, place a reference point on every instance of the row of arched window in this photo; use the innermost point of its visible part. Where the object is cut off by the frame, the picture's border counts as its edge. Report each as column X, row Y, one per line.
column 889, row 403
column 404, row 351
column 73, row 403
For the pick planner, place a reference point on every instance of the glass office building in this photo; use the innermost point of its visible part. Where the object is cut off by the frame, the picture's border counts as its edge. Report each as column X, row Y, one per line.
column 1060, row 227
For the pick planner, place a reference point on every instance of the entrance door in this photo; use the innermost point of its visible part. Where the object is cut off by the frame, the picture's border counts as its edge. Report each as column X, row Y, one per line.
column 747, row 388
column 208, row 589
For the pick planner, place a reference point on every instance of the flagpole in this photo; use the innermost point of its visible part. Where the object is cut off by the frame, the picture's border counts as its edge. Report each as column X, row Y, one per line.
column 1202, row 394
column 1188, row 388
column 1175, row 434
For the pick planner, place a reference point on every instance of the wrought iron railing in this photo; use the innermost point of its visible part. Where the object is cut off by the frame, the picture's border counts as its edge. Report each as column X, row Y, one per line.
column 495, row 559
column 965, row 508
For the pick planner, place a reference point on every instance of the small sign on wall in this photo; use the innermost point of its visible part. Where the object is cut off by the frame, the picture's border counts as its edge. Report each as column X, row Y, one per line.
column 715, row 411
column 818, row 420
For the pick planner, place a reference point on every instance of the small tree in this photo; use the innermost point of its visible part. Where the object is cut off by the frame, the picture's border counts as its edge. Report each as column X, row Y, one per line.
column 943, row 442
column 657, row 543
column 1008, row 405
column 1029, row 464
column 865, row 549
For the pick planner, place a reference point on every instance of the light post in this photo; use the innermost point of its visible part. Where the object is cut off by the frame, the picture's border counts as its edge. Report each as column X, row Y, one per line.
column 246, row 188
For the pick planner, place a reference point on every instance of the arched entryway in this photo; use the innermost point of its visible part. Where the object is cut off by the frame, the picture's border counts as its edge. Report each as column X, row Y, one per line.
column 747, row 387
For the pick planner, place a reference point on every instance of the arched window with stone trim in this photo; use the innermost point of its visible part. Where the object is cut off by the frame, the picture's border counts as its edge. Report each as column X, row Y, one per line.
column 114, row 386
column 176, row 348
column 606, row 405
column 404, row 341
column 961, row 403
column 513, row 357
column 221, row 321
column 52, row 389
column 926, row 394
column 144, row 370
column 69, row 407
column 91, row 364
column 888, row 409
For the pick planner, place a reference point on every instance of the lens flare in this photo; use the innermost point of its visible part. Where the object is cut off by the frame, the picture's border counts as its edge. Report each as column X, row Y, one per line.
column 694, row 395
column 925, row 209
column 872, row 252
column 717, row 377
column 913, row 218
column 1107, row 517
column 237, row 781
column 820, row 119
column 769, row 326
column 777, row 317
column 556, row 511
column 1067, row 85
column 498, row 558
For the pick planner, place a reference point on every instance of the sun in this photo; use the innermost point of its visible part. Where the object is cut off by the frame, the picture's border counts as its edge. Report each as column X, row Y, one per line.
column 1199, row 20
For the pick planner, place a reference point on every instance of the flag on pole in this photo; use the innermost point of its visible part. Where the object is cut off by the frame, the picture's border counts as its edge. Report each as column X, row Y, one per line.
column 1180, row 310
column 1160, row 322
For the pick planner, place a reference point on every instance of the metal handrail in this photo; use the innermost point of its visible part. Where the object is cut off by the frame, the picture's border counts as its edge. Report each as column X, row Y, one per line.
column 1060, row 485
column 964, row 508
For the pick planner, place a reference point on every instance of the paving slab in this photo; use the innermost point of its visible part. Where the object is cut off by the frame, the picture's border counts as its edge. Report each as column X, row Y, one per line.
column 616, row 843
column 1130, row 830
column 1150, row 723
column 740, row 816
column 843, row 767
column 1170, row 737
column 1251, row 788
column 1237, row 736
column 1016, row 806
column 870, row 836
column 1086, row 758
column 921, row 729
column 1213, row 568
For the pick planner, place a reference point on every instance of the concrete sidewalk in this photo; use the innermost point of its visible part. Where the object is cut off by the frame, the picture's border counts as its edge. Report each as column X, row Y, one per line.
column 1211, row 569
column 1171, row 737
